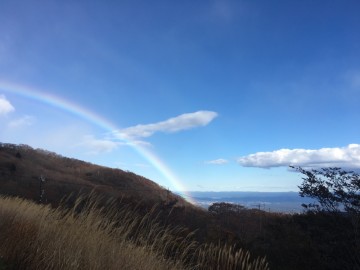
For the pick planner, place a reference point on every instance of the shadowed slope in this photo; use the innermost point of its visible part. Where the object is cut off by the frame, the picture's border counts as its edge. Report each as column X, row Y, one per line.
column 21, row 167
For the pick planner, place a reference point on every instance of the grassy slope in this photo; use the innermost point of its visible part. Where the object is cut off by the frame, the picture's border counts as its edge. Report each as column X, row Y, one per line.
column 35, row 236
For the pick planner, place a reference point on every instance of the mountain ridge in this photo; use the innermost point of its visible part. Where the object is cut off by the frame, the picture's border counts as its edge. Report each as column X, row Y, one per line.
column 22, row 166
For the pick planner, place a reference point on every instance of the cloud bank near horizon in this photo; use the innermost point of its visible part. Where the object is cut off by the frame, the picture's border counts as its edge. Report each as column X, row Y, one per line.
column 182, row 122
column 344, row 157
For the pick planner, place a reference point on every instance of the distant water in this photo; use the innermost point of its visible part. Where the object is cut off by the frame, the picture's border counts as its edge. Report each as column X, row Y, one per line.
column 286, row 202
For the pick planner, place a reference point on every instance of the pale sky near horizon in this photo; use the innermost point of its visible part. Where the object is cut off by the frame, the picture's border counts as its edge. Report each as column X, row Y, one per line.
column 196, row 95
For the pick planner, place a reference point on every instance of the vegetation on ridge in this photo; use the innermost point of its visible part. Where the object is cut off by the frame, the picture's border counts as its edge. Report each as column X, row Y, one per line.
column 21, row 166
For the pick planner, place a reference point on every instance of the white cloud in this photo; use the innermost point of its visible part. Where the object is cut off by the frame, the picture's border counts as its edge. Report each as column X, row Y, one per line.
column 175, row 124
column 5, row 106
column 345, row 157
column 26, row 120
column 98, row 146
column 219, row 161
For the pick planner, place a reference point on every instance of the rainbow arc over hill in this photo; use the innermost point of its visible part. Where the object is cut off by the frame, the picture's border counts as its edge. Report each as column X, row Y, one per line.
column 98, row 120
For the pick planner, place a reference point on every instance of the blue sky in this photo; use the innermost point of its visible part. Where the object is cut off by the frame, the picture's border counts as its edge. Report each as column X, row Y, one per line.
column 195, row 95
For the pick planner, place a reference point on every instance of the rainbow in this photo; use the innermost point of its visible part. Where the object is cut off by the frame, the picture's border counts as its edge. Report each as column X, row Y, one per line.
column 93, row 118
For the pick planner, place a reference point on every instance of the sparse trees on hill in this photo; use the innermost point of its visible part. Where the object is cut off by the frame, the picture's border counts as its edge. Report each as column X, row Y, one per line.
column 223, row 208
column 334, row 189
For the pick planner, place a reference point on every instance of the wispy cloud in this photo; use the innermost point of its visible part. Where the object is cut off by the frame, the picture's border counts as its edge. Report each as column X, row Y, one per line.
column 5, row 106
column 175, row 124
column 355, row 83
column 354, row 80
column 136, row 143
column 345, row 157
column 97, row 146
column 219, row 161
column 26, row 120
column 223, row 9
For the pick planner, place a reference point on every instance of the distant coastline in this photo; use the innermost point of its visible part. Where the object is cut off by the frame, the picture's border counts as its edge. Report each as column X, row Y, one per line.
column 285, row 202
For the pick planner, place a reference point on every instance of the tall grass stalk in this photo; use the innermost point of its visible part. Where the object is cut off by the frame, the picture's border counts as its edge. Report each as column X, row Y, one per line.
column 94, row 235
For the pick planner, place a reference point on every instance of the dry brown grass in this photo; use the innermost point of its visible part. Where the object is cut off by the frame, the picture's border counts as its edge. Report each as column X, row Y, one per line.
column 219, row 257
column 36, row 236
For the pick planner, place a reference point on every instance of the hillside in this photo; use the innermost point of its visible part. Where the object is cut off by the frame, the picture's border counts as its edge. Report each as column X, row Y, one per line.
column 21, row 167
column 300, row 241
column 133, row 222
